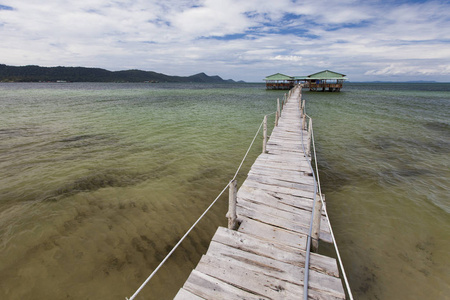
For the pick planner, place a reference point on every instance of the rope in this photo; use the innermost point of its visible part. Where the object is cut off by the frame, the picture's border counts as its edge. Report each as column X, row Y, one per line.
column 347, row 285
column 198, row 220
column 341, row 265
column 248, row 150
column 308, row 244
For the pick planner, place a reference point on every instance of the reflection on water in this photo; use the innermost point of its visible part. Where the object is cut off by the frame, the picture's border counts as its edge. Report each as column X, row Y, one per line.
column 99, row 181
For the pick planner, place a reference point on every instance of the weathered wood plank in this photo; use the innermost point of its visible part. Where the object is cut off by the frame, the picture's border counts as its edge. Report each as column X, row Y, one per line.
column 249, row 209
column 186, row 295
column 282, row 166
column 272, row 233
column 277, row 269
column 279, row 189
column 209, row 287
column 248, row 280
column 287, row 175
column 298, row 223
column 300, row 227
column 270, row 180
column 251, row 278
column 280, row 252
column 273, row 160
column 288, row 203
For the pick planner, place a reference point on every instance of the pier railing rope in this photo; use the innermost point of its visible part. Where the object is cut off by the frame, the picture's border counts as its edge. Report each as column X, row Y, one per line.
column 317, row 190
column 232, row 181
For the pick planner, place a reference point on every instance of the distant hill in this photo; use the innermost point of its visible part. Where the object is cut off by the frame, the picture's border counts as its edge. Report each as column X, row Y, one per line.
column 81, row 74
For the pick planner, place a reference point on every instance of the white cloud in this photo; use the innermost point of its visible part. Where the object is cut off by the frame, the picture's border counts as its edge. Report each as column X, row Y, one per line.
column 239, row 39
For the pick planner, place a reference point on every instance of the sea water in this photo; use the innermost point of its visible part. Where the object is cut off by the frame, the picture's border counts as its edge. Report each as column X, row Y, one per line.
column 99, row 181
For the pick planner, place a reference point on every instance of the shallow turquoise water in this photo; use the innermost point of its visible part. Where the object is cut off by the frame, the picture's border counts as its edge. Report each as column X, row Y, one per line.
column 99, row 181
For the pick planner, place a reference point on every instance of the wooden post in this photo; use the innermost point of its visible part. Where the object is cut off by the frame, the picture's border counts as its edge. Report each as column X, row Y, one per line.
column 278, row 105
column 317, row 215
column 277, row 114
column 308, row 145
column 265, row 135
column 303, row 112
column 303, row 121
column 232, row 199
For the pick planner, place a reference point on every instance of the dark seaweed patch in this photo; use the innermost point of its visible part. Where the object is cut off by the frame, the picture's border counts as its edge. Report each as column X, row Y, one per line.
column 381, row 143
column 85, row 140
column 367, row 281
column 96, row 181
column 77, row 138
column 204, row 174
column 15, row 132
column 406, row 172
column 442, row 128
column 330, row 177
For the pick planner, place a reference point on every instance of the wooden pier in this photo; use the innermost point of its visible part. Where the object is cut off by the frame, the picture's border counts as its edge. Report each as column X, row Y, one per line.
column 263, row 252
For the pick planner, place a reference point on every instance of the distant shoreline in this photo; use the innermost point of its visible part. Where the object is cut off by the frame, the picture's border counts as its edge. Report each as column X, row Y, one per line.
column 32, row 73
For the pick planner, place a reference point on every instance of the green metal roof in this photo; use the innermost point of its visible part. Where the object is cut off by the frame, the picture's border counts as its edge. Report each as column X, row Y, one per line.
column 323, row 75
column 300, row 77
column 278, row 76
column 327, row 74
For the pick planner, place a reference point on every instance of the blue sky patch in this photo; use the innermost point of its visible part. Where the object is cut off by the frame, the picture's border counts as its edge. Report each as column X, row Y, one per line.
column 4, row 7
column 227, row 37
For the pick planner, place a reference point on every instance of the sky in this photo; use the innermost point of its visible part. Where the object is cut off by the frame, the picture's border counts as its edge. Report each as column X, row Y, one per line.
column 235, row 39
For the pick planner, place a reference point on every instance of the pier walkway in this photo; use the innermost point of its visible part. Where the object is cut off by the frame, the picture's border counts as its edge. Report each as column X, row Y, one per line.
column 265, row 257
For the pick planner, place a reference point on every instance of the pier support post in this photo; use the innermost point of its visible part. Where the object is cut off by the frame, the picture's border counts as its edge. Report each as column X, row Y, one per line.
column 317, row 215
column 277, row 115
column 232, row 199
column 308, row 143
column 265, row 134
column 278, row 106
column 303, row 114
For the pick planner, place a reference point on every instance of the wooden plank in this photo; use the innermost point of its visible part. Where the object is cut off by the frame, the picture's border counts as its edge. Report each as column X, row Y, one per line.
column 270, row 180
column 278, row 134
column 300, row 227
column 248, row 280
column 280, row 219
column 287, row 143
column 280, row 252
column 302, row 217
column 279, row 189
column 208, row 287
column 283, row 202
column 287, row 175
column 272, row 234
column 186, row 295
column 277, row 269
column 254, row 280
column 282, row 166
column 288, row 203
column 284, row 158
column 277, row 203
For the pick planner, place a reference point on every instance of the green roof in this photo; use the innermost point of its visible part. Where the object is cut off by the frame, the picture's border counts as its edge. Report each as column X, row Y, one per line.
column 278, row 76
column 323, row 75
column 327, row 74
